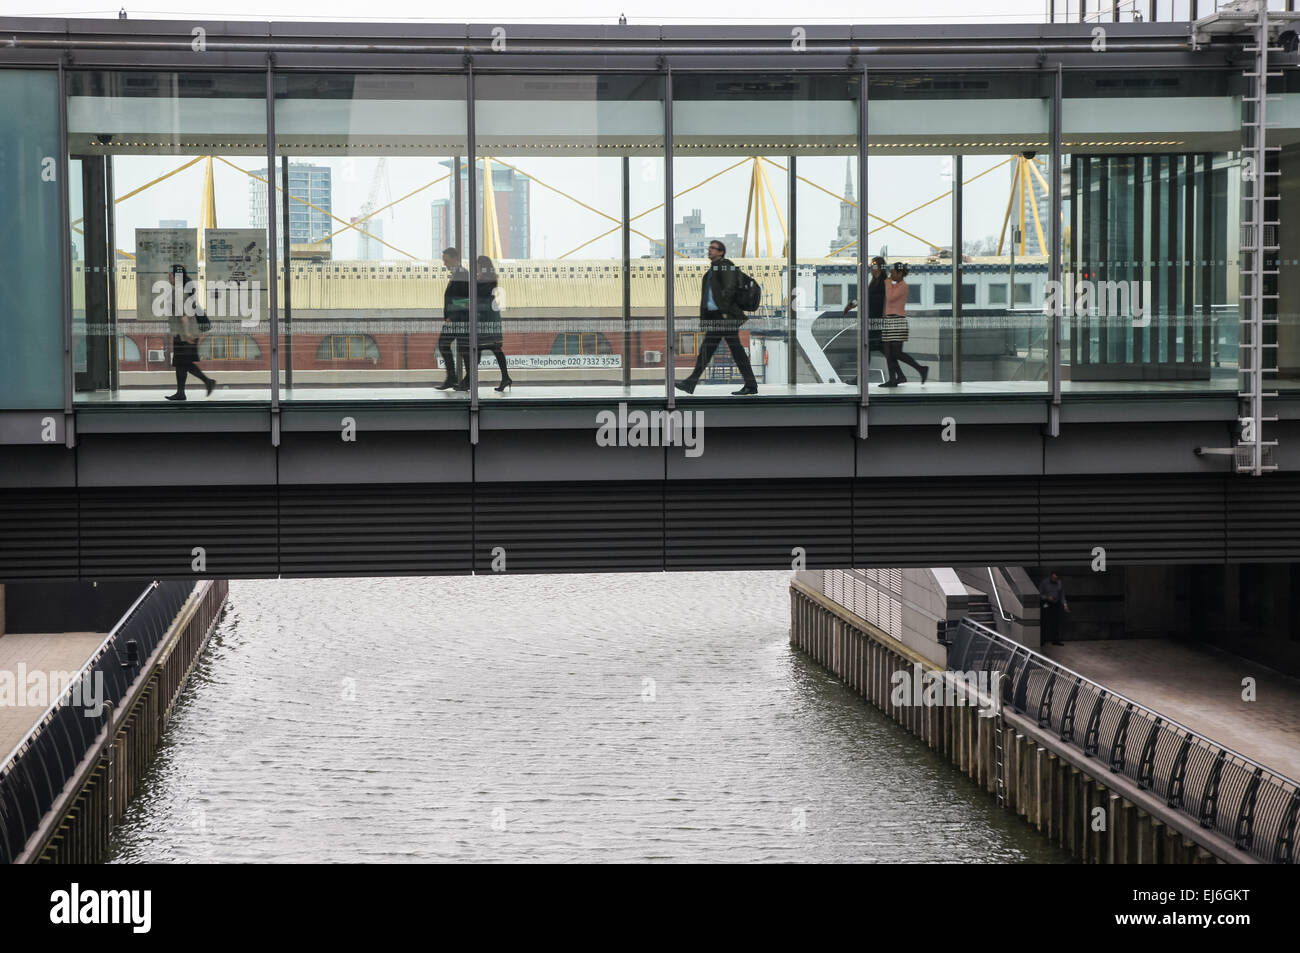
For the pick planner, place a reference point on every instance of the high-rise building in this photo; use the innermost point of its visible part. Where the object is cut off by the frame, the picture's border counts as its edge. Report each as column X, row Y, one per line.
column 691, row 238
column 511, row 194
column 307, row 225
column 370, row 245
column 688, row 236
column 845, row 244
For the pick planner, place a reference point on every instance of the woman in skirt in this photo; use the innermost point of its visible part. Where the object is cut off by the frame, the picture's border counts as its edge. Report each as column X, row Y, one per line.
column 895, row 330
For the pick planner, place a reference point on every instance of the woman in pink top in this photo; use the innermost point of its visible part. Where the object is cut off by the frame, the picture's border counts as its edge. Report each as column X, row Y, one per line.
column 894, row 332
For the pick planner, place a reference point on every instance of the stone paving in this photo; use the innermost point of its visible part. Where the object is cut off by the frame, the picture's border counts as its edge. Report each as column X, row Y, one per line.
column 25, row 655
column 1200, row 687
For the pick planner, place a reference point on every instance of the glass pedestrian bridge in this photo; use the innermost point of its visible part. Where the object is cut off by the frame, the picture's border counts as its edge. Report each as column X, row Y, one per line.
column 270, row 208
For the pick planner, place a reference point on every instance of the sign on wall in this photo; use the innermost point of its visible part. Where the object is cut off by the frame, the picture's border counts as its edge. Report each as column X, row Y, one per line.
column 156, row 251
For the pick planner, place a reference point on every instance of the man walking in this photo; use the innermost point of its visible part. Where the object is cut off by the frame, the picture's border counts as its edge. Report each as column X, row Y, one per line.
column 720, row 317
column 1054, row 606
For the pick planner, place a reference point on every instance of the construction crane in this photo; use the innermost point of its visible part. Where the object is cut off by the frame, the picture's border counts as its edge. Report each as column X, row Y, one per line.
column 372, row 203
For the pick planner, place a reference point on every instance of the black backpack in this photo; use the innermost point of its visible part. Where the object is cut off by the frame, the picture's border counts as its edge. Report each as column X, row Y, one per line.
column 748, row 293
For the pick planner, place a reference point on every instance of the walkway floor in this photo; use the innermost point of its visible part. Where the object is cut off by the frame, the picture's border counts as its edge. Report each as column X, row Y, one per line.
column 1200, row 687
column 21, row 657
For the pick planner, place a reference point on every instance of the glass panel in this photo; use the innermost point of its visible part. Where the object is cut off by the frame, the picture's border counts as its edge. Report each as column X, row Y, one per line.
column 167, row 242
column 1152, row 206
column 561, row 311
column 735, row 138
column 372, row 310
column 984, row 136
column 31, row 299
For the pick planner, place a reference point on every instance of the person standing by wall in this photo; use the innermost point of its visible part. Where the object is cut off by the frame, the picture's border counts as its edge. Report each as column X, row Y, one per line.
column 895, row 330
column 1054, row 607
column 720, row 317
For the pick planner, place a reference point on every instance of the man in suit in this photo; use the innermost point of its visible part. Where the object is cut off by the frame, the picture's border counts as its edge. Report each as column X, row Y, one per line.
column 720, row 317
column 455, row 320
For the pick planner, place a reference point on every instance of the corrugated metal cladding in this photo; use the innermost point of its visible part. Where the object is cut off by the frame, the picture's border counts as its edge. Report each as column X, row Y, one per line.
column 758, row 524
column 645, row 526
column 154, row 532
column 593, row 527
column 38, row 534
column 925, row 522
column 375, row 530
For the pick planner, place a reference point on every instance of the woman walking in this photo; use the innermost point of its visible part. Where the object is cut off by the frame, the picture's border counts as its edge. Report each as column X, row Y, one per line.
column 186, row 332
column 489, row 321
column 895, row 330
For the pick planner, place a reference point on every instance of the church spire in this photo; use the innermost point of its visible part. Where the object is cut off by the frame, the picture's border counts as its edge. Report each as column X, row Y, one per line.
column 848, row 179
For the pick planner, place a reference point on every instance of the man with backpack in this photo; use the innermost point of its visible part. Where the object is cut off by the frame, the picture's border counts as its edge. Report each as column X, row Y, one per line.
column 722, row 298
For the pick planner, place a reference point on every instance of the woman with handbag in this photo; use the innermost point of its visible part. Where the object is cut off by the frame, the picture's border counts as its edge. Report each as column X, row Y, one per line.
column 895, row 330
column 186, row 331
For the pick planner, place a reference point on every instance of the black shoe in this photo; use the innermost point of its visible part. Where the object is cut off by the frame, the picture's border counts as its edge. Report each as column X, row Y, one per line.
column 746, row 391
column 925, row 372
column 175, row 397
column 448, row 384
column 211, row 385
column 505, row 382
column 687, row 385
column 463, row 385
column 889, row 384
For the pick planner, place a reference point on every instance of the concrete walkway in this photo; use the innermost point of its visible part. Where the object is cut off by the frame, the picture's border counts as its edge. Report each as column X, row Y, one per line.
column 39, row 654
column 1201, row 687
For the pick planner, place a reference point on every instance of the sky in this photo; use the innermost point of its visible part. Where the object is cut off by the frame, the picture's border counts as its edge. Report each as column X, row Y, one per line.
column 558, row 224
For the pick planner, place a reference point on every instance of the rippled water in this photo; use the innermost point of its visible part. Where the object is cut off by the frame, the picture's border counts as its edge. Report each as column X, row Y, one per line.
column 558, row 718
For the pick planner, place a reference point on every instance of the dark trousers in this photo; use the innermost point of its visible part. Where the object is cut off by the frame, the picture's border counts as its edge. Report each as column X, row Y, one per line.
column 182, row 370
column 1052, row 621
column 451, row 332
column 730, row 333
column 894, row 354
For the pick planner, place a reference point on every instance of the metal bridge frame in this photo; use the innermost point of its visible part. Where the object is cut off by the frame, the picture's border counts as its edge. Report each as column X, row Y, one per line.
column 1049, row 50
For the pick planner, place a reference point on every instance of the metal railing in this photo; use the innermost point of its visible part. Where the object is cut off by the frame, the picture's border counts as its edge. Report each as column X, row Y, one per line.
column 1254, row 807
column 35, row 773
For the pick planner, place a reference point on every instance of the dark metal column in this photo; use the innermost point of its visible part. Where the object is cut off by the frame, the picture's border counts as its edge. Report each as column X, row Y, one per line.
column 114, row 369
column 864, row 226
column 627, row 273
column 288, row 273
column 272, row 265
column 458, row 199
column 791, row 264
column 65, row 256
column 670, row 324
column 1054, row 259
column 470, row 259
column 956, row 267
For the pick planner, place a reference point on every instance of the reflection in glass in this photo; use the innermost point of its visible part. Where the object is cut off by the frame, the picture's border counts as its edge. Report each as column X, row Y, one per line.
column 167, row 246
column 959, row 193
column 1151, row 189
column 370, row 166
column 740, row 141
column 569, row 216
